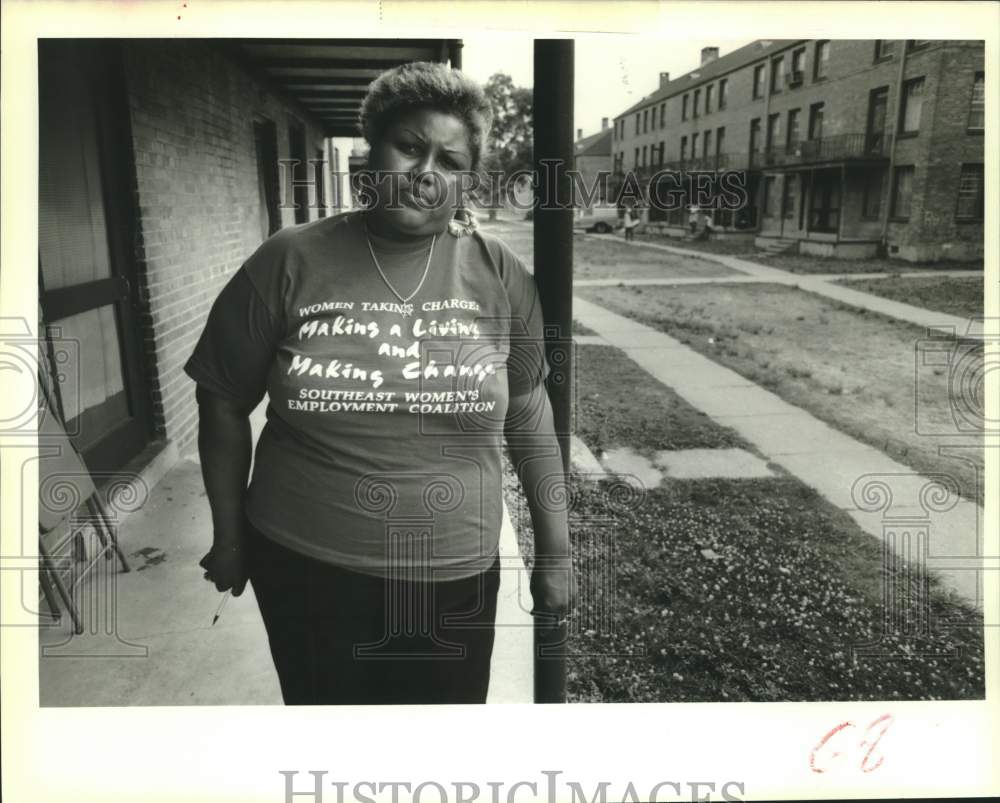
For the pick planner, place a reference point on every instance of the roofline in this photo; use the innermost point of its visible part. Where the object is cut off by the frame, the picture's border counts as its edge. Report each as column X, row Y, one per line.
column 673, row 88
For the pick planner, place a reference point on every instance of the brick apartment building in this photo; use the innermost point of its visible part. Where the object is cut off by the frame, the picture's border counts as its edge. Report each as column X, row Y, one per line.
column 159, row 174
column 591, row 158
column 851, row 147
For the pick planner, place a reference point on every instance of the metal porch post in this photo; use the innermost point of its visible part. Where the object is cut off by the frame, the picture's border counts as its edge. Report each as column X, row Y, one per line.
column 553, row 239
column 455, row 53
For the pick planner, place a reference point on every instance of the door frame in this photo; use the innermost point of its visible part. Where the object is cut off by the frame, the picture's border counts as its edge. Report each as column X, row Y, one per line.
column 117, row 168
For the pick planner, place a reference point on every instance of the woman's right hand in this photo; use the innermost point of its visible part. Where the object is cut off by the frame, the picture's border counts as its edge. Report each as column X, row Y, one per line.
column 227, row 568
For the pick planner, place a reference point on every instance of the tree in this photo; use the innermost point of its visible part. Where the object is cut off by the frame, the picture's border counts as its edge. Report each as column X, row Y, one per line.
column 509, row 147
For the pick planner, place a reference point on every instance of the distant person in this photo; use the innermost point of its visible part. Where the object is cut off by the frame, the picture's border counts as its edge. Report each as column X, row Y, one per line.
column 631, row 221
column 694, row 215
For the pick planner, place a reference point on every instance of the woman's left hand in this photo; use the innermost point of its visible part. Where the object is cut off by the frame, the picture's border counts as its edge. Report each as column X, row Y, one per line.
column 553, row 588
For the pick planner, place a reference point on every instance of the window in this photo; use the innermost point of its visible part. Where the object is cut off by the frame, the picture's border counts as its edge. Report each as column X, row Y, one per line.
column 708, row 98
column 645, row 120
column 635, row 163
column 777, row 68
column 916, row 44
column 266, row 143
column 755, row 135
column 913, row 102
column 720, row 140
column 318, row 179
column 793, row 128
column 694, row 102
column 300, row 189
column 970, row 193
column 758, row 81
column 694, row 146
column 707, row 144
column 663, row 153
column 723, row 88
column 902, row 192
column 773, row 130
column 644, row 162
column 821, row 61
column 798, row 66
column 977, row 104
column 684, row 148
column 637, row 122
column 871, row 201
column 825, row 209
column 816, row 121
column 878, row 103
column 884, row 49
column 684, row 107
column 663, row 115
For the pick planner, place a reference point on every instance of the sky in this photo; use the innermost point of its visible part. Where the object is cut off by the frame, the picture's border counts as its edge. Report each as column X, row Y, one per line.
column 612, row 71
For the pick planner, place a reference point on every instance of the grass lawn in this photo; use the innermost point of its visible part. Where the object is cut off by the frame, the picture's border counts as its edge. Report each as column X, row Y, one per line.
column 856, row 370
column 802, row 263
column 710, row 246
column 775, row 612
column 609, row 258
column 955, row 295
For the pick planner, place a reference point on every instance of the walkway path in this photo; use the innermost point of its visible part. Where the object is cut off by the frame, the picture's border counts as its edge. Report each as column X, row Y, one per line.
column 846, row 472
column 819, row 284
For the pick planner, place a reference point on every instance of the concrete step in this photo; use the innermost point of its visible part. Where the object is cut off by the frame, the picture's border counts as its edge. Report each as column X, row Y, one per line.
column 775, row 245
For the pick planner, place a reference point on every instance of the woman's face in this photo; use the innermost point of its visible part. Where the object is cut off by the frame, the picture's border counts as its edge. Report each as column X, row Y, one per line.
column 422, row 154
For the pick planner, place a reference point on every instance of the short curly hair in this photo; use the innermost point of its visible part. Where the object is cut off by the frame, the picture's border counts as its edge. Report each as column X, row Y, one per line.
column 426, row 84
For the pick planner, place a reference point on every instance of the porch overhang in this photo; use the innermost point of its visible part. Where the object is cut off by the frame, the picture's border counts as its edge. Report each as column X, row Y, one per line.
column 328, row 78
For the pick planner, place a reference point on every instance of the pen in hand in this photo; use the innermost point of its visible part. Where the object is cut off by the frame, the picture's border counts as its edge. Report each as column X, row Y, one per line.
column 218, row 611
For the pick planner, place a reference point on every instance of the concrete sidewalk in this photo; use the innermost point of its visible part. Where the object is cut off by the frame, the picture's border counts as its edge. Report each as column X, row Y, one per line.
column 822, row 285
column 149, row 639
column 851, row 475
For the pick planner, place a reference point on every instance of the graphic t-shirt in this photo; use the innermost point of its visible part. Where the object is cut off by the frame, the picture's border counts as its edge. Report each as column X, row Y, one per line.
column 381, row 451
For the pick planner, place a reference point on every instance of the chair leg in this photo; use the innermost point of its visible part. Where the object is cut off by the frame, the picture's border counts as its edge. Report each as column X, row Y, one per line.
column 50, row 599
column 60, row 587
column 104, row 519
column 95, row 521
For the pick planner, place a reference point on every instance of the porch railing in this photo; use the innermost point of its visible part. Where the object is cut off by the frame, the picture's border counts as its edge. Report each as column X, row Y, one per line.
column 721, row 161
column 825, row 149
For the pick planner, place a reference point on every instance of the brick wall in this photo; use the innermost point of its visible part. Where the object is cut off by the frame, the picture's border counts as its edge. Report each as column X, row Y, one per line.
column 192, row 113
column 937, row 152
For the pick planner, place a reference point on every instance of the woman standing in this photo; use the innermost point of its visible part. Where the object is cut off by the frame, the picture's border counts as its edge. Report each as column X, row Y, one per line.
column 398, row 347
column 631, row 221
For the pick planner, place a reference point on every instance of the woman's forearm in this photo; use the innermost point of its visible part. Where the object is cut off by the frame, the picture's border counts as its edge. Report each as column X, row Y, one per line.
column 534, row 451
column 224, row 444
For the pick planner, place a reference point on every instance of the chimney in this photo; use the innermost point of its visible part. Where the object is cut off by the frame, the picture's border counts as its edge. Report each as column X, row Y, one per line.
column 579, row 133
column 709, row 54
column 664, row 79
column 604, row 123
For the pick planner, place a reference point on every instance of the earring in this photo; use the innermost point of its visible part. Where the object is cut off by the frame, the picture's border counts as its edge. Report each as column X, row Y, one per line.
column 463, row 223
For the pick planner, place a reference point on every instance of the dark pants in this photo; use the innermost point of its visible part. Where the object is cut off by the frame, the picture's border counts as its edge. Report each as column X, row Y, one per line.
column 342, row 637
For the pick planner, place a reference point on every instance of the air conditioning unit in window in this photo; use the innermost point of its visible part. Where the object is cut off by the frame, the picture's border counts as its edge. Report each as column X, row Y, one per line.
column 795, row 78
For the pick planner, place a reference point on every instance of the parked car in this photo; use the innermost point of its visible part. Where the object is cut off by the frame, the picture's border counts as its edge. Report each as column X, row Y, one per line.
column 602, row 220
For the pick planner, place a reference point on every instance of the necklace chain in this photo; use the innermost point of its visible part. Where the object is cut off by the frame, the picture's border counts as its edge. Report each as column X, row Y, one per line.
column 385, row 279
